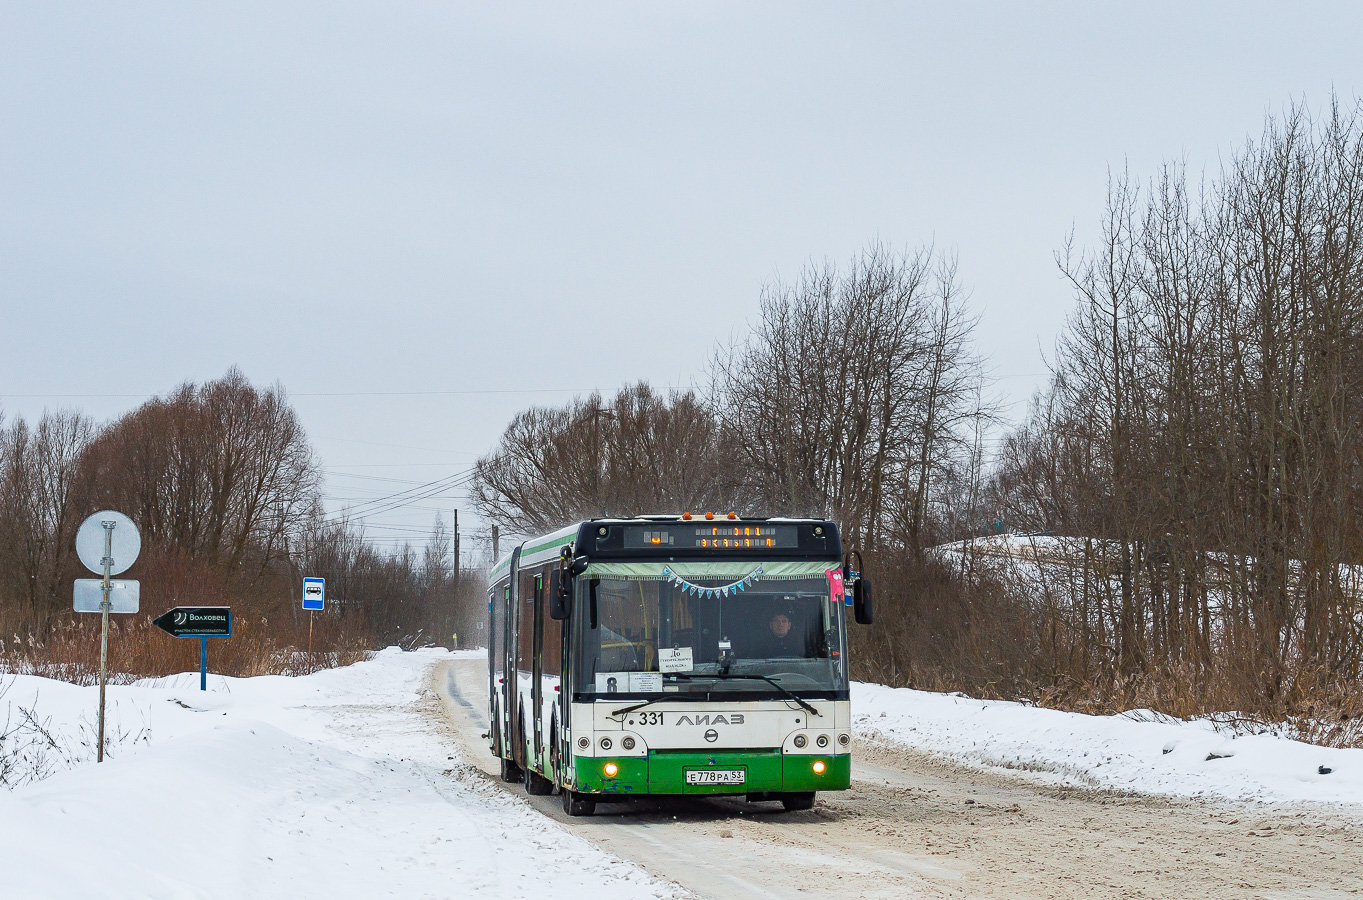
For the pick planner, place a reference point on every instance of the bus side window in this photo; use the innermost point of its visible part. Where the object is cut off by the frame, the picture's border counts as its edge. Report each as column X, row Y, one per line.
column 551, row 648
column 498, row 640
column 525, row 624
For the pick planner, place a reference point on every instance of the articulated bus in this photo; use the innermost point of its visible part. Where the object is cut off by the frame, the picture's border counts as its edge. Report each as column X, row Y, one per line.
column 672, row 655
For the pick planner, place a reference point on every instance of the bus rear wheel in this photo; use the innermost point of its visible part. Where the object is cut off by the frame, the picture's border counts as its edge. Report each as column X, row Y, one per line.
column 798, row 801
column 511, row 773
column 575, row 804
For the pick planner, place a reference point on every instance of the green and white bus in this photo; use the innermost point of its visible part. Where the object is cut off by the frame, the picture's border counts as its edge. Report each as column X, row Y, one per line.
column 672, row 655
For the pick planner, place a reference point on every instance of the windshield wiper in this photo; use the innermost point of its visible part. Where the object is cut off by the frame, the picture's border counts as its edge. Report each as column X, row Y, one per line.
column 671, row 696
column 767, row 678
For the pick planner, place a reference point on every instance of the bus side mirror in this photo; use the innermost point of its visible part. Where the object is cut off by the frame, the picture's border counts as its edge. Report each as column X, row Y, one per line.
column 861, row 601
column 560, row 604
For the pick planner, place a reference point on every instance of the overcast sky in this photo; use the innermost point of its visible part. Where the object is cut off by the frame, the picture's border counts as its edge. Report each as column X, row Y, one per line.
column 365, row 202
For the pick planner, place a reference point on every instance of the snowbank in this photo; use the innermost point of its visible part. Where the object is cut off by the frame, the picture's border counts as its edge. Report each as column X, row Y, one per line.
column 339, row 784
column 1138, row 752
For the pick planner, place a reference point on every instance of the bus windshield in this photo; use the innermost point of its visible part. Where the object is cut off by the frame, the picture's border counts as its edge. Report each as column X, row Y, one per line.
column 745, row 627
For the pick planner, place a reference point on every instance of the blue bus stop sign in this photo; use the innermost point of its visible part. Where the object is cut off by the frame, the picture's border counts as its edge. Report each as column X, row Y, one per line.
column 314, row 593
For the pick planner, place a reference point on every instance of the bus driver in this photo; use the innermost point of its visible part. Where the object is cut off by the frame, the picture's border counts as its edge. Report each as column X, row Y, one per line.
column 781, row 643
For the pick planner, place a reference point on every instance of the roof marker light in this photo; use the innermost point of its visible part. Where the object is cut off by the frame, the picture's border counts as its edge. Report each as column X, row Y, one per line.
column 733, row 515
column 686, row 517
column 709, row 515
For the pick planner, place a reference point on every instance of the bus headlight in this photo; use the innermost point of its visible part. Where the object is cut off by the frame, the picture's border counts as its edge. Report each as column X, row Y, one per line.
column 583, row 743
column 822, row 740
column 628, row 743
column 800, row 741
column 844, row 739
column 610, row 769
column 606, row 743
column 819, row 767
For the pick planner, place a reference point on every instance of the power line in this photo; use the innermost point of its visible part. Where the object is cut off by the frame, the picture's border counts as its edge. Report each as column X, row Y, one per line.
column 386, row 465
column 331, row 393
column 398, row 504
column 323, row 437
column 389, row 478
column 372, row 498
column 439, row 484
column 406, row 497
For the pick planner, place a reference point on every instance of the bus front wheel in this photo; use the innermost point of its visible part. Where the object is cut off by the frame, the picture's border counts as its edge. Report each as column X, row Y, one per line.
column 798, row 801
column 575, row 804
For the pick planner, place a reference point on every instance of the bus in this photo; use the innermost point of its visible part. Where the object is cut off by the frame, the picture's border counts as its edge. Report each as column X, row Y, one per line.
column 675, row 655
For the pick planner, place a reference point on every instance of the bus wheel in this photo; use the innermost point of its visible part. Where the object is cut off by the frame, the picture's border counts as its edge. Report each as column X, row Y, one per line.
column 798, row 801
column 511, row 773
column 575, row 804
column 537, row 784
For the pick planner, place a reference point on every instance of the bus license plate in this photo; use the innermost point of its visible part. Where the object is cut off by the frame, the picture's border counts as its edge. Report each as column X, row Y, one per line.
column 715, row 776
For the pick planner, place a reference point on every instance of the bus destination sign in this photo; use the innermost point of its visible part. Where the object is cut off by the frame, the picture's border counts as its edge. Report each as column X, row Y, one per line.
column 712, row 536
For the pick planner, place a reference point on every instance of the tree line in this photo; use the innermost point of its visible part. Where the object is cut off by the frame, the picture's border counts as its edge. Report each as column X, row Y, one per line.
column 857, row 395
column 1191, row 476
column 1193, row 472
column 226, row 492
column 1202, row 427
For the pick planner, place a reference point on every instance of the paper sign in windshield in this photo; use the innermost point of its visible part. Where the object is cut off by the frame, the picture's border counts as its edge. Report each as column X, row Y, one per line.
column 646, row 682
column 674, row 659
column 612, row 682
column 629, row 682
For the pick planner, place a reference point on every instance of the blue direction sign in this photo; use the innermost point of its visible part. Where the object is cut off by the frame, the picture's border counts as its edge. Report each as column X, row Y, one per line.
column 202, row 622
column 314, row 593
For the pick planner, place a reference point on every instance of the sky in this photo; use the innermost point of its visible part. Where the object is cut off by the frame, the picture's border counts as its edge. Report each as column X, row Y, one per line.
column 420, row 218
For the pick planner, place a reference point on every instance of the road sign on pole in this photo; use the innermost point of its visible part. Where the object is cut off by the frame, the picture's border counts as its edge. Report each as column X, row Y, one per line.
column 108, row 543
column 124, row 595
column 202, row 622
column 314, row 599
column 110, row 535
column 196, row 621
column 314, row 593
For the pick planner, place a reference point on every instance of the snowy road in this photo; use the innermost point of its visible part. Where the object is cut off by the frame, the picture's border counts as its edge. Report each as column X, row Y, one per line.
column 914, row 825
column 374, row 781
column 340, row 785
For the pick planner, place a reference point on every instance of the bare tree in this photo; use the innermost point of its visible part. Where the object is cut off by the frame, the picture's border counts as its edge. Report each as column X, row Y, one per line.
column 1201, row 429
column 38, row 473
column 856, row 391
column 223, row 471
column 641, row 453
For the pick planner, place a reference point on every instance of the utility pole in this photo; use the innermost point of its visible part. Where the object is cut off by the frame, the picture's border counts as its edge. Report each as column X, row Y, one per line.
column 456, row 550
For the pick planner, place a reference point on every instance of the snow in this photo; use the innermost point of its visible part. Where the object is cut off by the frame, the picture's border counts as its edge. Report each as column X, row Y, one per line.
column 338, row 784
column 1138, row 752
column 346, row 783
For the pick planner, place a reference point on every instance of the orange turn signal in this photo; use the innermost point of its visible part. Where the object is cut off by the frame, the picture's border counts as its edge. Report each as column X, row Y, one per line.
column 611, row 769
column 819, row 767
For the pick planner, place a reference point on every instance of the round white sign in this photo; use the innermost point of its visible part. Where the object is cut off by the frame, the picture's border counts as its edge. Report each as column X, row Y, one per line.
column 124, row 542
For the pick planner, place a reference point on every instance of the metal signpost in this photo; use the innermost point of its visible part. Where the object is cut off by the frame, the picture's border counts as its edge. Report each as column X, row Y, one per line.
column 202, row 622
column 108, row 544
column 314, row 599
